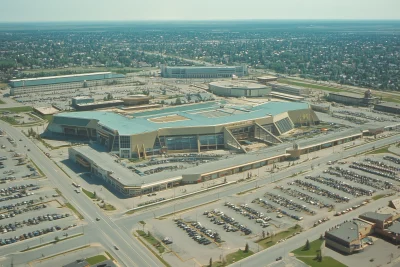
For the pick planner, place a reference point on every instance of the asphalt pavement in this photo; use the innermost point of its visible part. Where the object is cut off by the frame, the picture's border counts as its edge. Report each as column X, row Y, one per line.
column 107, row 233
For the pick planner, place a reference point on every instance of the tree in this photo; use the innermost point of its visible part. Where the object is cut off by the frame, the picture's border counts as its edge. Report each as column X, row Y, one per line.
column 210, row 264
column 319, row 255
column 321, row 237
column 56, row 238
column 246, row 248
column 307, row 246
column 148, row 233
column 178, row 101
column 94, row 194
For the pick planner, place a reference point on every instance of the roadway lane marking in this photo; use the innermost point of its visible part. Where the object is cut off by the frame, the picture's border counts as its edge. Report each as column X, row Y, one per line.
column 115, row 229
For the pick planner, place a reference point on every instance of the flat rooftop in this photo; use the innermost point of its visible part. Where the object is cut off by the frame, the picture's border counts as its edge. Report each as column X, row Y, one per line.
column 347, row 94
column 47, row 110
column 239, row 85
column 61, row 76
column 141, row 123
column 389, row 105
column 348, row 231
column 329, row 137
column 267, row 77
column 376, row 216
column 119, row 172
column 395, row 228
column 129, row 178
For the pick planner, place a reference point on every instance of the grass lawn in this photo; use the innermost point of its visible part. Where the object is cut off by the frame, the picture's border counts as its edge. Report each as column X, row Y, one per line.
column 17, row 109
column 69, row 205
column 376, row 197
column 9, row 120
column 151, row 240
column 326, row 262
column 309, row 85
column 2, row 102
column 233, row 257
column 271, row 240
column 314, row 245
column 309, row 256
column 379, row 151
column 88, row 193
column 96, row 259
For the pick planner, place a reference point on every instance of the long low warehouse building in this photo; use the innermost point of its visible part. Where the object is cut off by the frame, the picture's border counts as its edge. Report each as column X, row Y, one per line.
column 203, row 72
column 30, row 85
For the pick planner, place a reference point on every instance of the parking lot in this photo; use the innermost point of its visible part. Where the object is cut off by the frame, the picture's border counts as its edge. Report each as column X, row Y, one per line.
column 29, row 206
column 306, row 200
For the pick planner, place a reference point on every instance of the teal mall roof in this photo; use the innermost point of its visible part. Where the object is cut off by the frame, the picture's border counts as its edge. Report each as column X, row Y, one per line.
column 198, row 115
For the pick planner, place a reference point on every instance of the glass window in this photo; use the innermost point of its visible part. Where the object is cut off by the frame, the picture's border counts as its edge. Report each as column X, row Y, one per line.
column 125, row 141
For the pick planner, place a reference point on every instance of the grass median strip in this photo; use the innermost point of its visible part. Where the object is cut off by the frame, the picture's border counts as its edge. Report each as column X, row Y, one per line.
column 384, row 149
column 150, row 238
column 96, row 259
column 50, row 243
column 65, row 252
column 69, row 205
column 88, row 193
column 233, row 257
column 155, row 254
column 271, row 240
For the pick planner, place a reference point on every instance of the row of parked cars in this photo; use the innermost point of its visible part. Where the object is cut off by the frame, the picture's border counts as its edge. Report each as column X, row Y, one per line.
column 20, row 211
column 22, row 203
column 15, row 189
column 229, row 223
column 32, row 221
column 29, row 235
column 193, row 232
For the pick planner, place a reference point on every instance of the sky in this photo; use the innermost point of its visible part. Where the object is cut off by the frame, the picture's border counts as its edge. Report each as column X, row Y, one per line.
column 139, row 10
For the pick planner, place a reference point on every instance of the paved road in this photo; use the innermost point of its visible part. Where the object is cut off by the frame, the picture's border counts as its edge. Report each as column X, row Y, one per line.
column 105, row 231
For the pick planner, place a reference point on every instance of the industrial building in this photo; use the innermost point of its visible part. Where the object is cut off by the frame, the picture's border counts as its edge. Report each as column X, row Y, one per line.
column 203, row 72
column 353, row 99
column 42, row 84
column 289, row 89
column 238, row 89
column 388, row 107
column 267, row 79
column 189, row 128
column 84, row 103
column 351, row 236
column 347, row 237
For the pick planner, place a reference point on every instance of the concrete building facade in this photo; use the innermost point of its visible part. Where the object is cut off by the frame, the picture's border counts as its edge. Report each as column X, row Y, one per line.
column 203, row 72
column 388, row 107
column 236, row 88
column 65, row 82
column 353, row 99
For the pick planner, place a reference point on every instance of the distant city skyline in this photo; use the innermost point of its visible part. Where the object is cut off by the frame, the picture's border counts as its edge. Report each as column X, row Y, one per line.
column 156, row 10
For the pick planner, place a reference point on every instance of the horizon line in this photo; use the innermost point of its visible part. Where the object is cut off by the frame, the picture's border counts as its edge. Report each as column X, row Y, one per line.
column 203, row 20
